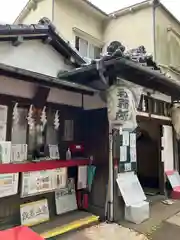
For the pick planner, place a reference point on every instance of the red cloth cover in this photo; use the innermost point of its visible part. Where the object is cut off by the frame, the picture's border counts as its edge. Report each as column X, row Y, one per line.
column 19, row 233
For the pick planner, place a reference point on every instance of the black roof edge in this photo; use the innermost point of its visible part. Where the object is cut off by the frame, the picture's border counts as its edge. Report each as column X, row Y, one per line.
column 41, row 79
column 42, row 30
column 65, row 45
column 154, row 76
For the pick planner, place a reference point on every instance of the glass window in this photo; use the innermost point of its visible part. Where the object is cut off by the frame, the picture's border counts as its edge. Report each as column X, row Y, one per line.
column 86, row 48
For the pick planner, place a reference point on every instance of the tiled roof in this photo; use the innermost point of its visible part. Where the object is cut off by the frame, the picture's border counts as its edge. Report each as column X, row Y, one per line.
column 45, row 31
column 134, row 66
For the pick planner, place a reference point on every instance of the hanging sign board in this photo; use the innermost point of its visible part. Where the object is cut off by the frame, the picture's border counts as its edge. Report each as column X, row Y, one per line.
column 38, row 182
column 34, row 213
column 82, row 177
column 130, row 188
column 8, row 184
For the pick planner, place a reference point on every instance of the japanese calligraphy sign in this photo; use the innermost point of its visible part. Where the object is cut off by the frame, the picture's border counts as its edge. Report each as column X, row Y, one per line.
column 34, row 213
column 118, row 104
column 122, row 102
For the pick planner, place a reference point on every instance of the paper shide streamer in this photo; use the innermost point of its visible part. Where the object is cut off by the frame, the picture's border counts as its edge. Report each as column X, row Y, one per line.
column 56, row 120
column 30, row 119
column 15, row 114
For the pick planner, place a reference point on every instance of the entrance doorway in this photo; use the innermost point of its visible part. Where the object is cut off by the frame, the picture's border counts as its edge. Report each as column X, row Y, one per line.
column 149, row 156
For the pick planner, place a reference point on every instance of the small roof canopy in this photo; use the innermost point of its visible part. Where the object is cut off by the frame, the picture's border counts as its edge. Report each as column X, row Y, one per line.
column 125, row 69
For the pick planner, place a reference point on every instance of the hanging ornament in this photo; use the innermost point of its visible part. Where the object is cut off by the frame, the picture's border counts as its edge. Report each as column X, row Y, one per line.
column 30, row 119
column 15, row 114
column 43, row 118
column 56, row 120
column 143, row 104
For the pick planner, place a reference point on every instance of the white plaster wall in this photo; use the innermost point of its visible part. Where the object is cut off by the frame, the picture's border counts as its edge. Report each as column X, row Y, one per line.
column 73, row 13
column 65, row 97
column 132, row 30
column 93, row 102
column 67, row 15
column 44, row 9
column 24, row 89
column 33, row 56
column 17, row 88
column 167, row 43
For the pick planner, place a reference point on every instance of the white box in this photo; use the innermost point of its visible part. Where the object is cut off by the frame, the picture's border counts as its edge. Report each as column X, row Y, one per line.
column 5, row 152
column 137, row 213
column 18, row 153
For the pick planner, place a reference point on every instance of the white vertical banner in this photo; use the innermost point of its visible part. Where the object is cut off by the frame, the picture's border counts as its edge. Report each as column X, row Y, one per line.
column 82, row 177
column 167, row 155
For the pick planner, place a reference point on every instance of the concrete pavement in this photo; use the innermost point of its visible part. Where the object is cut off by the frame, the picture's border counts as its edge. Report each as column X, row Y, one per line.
column 164, row 224
column 105, row 231
column 170, row 228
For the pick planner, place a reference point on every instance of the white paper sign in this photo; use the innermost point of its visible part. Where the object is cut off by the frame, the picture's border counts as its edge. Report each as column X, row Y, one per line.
column 34, row 213
column 3, row 113
column 65, row 199
column 133, row 156
column 54, row 152
column 18, row 153
column 130, row 188
column 125, row 135
column 174, row 179
column 3, row 122
column 123, row 153
column 8, row 184
column 132, row 140
column 3, row 128
column 60, row 178
column 5, row 152
column 38, row 182
column 82, row 177
column 127, row 167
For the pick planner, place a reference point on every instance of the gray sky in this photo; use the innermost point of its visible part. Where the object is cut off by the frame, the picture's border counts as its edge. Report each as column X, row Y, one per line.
column 10, row 8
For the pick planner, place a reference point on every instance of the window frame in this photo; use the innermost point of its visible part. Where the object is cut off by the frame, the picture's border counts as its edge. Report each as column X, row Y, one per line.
column 89, row 44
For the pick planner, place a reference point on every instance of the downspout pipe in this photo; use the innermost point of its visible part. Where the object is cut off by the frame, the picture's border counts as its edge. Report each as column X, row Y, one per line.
column 154, row 28
column 53, row 4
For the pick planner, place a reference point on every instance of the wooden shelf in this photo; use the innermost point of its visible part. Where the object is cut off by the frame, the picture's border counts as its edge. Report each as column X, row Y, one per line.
column 42, row 165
